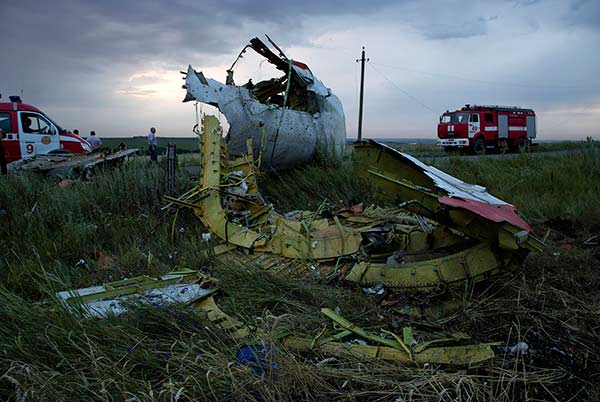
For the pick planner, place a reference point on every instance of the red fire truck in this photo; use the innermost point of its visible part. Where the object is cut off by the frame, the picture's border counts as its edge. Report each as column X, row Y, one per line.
column 480, row 128
column 29, row 132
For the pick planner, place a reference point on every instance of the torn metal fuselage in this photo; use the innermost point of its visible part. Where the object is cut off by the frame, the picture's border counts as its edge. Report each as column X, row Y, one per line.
column 443, row 245
column 469, row 208
column 289, row 118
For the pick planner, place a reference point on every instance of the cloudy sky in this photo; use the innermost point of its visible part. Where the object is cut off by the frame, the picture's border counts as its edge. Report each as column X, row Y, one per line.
column 113, row 66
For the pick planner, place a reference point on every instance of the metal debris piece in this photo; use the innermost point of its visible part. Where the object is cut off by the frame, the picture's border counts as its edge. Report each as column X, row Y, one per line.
column 424, row 245
column 244, row 219
column 183, row 286
column 447, row 351
column 296, row 113
column 376, row 289
column 439, row 196
column 79, row 165
column 476, row 263
column 236, row 328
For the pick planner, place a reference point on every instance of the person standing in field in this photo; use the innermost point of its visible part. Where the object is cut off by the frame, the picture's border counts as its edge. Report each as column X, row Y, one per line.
column 95, row 142
column 152, row 143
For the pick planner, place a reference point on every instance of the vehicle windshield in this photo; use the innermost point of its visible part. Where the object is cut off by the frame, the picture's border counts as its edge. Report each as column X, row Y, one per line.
column 59, row 128
column 455, row 118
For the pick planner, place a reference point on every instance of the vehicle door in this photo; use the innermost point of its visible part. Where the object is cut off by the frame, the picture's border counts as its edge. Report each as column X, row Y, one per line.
column 490, row 126
column 10, row 142
column 38, row 135
column 474, row 124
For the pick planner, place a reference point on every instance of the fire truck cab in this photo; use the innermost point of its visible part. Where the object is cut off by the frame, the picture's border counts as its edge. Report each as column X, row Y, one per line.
column 29, row 132
column 481, row 128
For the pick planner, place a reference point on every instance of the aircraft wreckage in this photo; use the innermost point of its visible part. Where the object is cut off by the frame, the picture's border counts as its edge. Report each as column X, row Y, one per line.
column 441, row 233
column 437, row 233
column 288, row 118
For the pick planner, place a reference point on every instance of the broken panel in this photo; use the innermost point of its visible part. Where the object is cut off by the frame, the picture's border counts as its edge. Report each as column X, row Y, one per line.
column 296, row 113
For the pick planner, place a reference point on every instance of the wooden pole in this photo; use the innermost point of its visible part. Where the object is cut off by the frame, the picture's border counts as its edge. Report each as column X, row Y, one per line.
column 362, row 91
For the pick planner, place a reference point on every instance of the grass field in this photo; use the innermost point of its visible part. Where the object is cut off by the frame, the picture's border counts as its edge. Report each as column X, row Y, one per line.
column 56, row 238
column 183, row 144
column 190, row 145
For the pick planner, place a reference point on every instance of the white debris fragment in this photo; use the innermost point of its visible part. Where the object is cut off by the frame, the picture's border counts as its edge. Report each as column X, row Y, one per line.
column 521, row 347
column 378, row 289
column 286, row 136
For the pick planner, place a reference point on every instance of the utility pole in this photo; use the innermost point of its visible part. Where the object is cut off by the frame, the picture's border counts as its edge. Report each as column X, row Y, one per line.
column 362, row 91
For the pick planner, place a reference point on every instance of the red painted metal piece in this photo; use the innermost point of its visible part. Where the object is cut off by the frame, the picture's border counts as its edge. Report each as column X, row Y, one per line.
column 497, row 213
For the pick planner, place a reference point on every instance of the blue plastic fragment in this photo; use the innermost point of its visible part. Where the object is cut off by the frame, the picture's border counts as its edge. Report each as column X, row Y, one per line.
column 259, row 358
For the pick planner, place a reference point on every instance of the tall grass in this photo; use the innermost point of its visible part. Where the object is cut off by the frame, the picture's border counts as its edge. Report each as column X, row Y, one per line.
column 115, row 224
column 564, row 187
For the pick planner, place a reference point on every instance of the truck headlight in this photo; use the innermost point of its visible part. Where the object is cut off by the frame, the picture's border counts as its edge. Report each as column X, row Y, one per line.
column 85, row 146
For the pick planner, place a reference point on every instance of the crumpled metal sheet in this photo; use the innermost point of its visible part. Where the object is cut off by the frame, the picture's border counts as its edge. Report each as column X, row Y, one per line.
column 399, row 177
column 116, row 297
column 395, row 247
column 292, row 136
column 497, row 213
column 62, row 164
column 228, row 202
column 446, row 351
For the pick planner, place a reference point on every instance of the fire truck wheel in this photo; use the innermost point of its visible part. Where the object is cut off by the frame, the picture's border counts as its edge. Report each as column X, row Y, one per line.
column 479, row 147
column 521, row 145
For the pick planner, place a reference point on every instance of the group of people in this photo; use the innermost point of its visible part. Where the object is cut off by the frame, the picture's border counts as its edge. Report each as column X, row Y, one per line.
column 95, row 142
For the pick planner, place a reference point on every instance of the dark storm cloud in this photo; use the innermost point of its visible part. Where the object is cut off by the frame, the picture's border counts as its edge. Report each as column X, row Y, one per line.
column 78, row 43
column 98, row 58
column 584, row 13
column 92, row 31
column 467, row 28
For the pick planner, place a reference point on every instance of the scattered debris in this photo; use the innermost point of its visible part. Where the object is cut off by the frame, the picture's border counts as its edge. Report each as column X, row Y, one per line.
column 191, row 287
column 76, row 165
column 521, row 347
column 288, row 118
column 182, row 286
column 377, row 289
column 445, row 231
column 259, row 358
column 592, row 241
column 447, row 351
column 66, row 183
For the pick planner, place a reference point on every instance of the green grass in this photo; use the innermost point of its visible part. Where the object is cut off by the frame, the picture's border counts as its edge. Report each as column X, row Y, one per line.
column 173, row 353
column 561, row 145
column 431, row 150
column 558, row 187
column 182, row 144
column 190, row 145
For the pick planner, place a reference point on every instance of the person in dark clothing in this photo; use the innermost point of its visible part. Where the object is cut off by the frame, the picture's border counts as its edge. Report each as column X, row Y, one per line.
column 152, row 144
column 3, row 167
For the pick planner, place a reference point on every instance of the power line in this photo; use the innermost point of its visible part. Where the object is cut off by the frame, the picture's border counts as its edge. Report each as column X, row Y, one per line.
column 403, row 91
column 488, row 82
